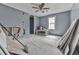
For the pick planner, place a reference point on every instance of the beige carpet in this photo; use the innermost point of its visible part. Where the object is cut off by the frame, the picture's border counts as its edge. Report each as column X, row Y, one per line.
column 42, row 45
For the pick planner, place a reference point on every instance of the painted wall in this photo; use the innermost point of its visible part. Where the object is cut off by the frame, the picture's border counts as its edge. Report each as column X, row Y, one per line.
column 74, row 14
column 12, row 17
column 36, row 23
column 75, row 11
column 62, row 22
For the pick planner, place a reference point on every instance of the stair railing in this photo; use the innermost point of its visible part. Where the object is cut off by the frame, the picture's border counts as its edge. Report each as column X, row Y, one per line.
column 11, row 34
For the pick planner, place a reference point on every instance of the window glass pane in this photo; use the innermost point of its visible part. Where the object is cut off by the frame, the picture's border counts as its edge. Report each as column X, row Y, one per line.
column 51, row 26
column 52, row 20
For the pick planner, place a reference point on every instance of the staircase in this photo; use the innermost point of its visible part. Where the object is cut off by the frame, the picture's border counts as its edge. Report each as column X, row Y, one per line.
column 10, row 46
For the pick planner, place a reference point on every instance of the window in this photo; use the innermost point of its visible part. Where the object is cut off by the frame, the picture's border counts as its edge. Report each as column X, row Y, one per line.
column 52, row 22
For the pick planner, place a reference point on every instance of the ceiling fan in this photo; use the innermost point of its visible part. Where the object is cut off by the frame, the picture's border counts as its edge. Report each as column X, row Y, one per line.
column 40, row 7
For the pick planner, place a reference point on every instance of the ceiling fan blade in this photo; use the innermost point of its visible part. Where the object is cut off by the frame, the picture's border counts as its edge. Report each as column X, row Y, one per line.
column 35, row 7
column 42, row 11
column 46, row 8
column 36, row 10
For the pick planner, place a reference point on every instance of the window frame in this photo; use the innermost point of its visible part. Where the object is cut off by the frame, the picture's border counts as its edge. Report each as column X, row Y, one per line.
column 52, row 23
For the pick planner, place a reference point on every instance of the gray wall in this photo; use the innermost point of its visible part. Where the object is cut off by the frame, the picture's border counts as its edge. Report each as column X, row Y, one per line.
column 75, row 11
column 62, row 22
column 74, row 14
column 36, row 23
column 12, row 17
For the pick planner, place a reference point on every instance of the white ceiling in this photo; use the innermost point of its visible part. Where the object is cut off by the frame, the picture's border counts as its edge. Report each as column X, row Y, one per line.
column 54, row 8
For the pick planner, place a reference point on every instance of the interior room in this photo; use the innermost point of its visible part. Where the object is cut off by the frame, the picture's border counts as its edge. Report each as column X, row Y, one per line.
column 39, row 28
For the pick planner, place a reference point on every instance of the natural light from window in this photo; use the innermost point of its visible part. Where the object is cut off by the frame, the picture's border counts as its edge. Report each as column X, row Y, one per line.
column 52, row 22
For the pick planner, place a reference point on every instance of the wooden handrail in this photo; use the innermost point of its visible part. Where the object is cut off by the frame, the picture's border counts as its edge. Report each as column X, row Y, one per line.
column 12, row 35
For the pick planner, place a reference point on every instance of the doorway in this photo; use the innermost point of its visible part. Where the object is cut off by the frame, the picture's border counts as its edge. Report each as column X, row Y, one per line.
column 31, row 24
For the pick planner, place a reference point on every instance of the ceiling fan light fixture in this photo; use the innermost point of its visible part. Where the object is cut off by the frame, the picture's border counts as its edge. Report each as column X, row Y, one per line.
column 41, row 8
